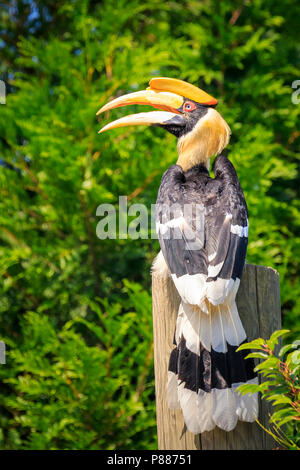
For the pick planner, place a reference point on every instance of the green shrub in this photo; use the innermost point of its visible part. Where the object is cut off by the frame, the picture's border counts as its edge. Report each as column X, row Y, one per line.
column 88, row 385
column 281, row 371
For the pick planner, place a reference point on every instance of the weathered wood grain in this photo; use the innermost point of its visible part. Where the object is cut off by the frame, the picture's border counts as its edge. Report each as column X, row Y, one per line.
column 258, row 303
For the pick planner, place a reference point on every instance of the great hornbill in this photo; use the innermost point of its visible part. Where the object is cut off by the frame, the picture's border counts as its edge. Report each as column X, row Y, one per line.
column 202, row 227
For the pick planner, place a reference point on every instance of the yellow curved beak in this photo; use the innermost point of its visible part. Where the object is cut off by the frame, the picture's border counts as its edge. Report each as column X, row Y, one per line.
column 142, row 119
column 161, row 100
column 166, row 94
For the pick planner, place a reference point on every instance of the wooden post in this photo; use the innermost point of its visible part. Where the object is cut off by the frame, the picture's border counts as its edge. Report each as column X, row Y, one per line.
column 258, row 302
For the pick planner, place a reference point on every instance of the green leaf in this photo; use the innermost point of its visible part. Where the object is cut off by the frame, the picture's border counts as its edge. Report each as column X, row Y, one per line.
column 288, row 347
column 282, row 414
column 275, row 336
column 255, row 344
column 286, row 420
column 278, row 399
column 295, row 357
column 259, row 355
column 269, row 364
column 285, row 349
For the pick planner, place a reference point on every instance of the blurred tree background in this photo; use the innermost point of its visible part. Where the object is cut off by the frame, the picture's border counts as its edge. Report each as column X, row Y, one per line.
column 75, row 311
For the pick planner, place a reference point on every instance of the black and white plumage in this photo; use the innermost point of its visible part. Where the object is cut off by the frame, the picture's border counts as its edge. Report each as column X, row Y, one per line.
column 206, row 258
column 211, row 255
column 202, row 226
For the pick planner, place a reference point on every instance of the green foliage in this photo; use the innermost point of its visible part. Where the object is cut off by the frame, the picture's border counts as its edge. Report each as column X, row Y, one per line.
column 68, row 393
column 62, row 288
column 281, row 386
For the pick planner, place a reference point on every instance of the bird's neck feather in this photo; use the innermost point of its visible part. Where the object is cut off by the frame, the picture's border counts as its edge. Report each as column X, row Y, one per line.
column 209, row 137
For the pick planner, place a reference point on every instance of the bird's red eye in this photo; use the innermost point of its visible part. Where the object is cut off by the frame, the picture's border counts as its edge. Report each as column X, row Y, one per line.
column 189, row 106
